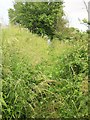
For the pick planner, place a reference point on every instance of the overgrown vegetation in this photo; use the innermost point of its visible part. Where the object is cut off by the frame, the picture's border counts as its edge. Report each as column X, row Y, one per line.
column 41, row 80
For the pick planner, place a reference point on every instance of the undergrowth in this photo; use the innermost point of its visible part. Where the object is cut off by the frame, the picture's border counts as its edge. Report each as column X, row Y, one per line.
column 41, row 80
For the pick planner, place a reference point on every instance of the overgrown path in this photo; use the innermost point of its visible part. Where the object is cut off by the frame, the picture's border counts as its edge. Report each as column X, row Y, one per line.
column 41, row 80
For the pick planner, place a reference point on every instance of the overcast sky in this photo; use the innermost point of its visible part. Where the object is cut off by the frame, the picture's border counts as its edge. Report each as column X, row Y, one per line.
column 74, row 9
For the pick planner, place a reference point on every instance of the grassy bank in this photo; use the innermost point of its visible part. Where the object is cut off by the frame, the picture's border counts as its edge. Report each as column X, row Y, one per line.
column 41, row 80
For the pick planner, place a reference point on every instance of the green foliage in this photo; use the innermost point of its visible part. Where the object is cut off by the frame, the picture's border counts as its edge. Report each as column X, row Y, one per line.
column 40, row 17
column 41, row 80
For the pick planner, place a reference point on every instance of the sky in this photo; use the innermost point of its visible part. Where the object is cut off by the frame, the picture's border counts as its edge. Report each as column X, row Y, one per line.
column 74, row 10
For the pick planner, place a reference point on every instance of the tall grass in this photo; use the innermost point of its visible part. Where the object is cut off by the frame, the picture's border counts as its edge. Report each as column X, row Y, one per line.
column 41, row 80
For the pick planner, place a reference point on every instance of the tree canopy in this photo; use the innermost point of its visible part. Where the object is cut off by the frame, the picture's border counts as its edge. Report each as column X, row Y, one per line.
column 39, row 17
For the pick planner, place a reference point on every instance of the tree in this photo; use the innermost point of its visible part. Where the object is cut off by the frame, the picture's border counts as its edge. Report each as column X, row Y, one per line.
column 38, row 17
